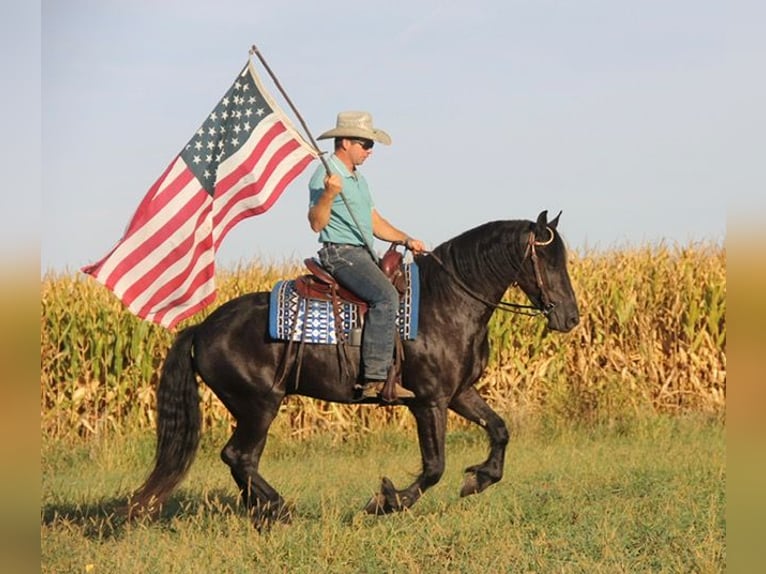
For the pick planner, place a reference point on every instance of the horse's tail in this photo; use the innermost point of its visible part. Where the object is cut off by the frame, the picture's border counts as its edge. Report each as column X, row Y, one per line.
column 178, row 426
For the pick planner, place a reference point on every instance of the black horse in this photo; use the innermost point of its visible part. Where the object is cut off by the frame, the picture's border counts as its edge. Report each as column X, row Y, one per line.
column 462, row 282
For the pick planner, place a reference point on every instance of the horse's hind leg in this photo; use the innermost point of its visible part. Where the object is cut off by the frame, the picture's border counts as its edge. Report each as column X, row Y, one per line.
column 470, row 405
column 242, row 454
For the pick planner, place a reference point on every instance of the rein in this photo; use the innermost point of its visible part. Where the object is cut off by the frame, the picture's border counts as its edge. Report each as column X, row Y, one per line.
column 503, row 305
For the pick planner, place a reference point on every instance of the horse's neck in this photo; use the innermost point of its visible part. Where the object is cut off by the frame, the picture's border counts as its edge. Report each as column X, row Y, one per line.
column 493, row 269
column 475, row 284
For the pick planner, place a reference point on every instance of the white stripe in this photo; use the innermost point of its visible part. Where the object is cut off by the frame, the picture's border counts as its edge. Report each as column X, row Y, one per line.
column 260, row 165
column 200, row 233
column 130, row 243
column 150, row 259
column 263, row 194
column 237, row 158
column 203, row 291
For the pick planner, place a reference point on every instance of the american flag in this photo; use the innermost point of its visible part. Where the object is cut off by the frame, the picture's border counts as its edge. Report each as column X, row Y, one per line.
column 236, row 165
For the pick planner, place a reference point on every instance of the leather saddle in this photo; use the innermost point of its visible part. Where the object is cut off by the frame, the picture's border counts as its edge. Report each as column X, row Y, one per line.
column 319, row 284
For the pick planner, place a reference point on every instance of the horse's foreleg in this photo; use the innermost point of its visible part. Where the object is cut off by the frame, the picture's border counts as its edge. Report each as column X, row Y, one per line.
column 431, row 424
column 471, row 406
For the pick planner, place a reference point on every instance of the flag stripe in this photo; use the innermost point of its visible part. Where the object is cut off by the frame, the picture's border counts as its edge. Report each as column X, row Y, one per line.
column 248, row 207
column 141, row 225
column 200, row 270
column 259, row 187
column 146, row 205
column 189, row 240
column 243, row 163
column 104, row 268
column 172, row 226
column 202, row 295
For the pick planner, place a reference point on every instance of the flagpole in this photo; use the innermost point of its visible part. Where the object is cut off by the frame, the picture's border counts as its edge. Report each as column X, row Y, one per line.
column 254, row 50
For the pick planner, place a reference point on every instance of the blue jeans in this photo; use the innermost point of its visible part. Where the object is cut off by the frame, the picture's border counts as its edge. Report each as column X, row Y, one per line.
column 353, row 267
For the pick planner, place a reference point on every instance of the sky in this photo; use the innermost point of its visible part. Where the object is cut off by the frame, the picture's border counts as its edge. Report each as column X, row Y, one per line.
column 643, row 122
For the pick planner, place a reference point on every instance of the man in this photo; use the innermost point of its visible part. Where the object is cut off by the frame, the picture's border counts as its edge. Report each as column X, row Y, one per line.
column 342, row 211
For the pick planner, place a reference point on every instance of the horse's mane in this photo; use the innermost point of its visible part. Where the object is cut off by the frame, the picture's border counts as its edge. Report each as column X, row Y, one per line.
column 493, row 251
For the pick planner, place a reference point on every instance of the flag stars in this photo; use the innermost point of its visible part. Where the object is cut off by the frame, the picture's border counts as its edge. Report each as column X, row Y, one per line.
column 226, row 129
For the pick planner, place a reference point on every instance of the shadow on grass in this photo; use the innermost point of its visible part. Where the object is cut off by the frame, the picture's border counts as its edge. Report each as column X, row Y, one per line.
column 107, row 518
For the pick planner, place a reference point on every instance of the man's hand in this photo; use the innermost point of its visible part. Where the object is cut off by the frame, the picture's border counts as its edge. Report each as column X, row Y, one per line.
column 333, row 185
column 319, row 213
column 415, row 245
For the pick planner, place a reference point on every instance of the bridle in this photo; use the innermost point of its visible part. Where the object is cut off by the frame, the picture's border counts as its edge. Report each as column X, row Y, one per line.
column 531, row 310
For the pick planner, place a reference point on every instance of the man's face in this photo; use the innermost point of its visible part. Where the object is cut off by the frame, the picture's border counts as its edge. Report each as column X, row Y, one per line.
column 359, row 150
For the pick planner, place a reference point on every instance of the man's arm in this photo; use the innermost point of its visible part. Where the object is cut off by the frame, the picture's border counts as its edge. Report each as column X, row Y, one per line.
column 319, row 213
column 383, row 230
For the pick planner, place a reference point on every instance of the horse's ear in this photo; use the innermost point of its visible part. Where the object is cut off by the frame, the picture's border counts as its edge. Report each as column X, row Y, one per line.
column 542, row 223
column 553, row 223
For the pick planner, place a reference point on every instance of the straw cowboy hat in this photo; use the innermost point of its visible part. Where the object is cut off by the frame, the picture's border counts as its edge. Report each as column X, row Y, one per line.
column 356, row 125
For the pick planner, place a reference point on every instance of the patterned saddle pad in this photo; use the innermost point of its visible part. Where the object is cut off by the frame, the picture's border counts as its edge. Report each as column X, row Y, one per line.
column 312, row 320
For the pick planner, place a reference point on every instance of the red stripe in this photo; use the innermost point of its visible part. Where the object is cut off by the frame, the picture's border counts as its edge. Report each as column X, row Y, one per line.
column 205, row 275
column 148, row 199
column 164, row 230
column 162, row 292
column 147, row 281
column 192, row 310
column 257, row 210
column 244, row 168
column 254, row 188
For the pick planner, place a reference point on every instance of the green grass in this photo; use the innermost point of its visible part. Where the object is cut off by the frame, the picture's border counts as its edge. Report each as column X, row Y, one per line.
column 645, row 497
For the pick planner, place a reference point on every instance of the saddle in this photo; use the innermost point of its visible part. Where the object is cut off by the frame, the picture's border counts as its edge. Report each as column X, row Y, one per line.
column 319, row 284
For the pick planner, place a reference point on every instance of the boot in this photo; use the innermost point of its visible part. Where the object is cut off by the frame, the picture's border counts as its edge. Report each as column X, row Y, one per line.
column 373, row 389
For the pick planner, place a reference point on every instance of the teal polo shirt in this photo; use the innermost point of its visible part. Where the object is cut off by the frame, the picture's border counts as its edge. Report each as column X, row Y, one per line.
column 341, row 227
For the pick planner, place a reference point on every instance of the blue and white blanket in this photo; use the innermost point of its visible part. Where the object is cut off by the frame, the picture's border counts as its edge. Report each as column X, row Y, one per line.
column 312, row 320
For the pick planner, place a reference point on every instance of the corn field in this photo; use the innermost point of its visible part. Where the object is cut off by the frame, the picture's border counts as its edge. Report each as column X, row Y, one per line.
column 652, row 339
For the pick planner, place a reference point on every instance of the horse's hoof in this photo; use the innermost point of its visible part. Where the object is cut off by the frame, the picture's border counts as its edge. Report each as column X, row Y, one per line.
column 386, row 501
column 376, row 505
column 470, row 485
column 267, row 515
